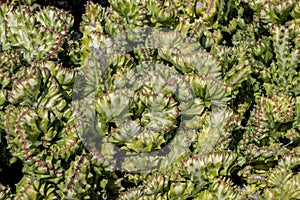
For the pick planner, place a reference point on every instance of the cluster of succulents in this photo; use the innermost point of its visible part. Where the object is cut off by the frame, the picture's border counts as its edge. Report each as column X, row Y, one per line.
column 150, row 100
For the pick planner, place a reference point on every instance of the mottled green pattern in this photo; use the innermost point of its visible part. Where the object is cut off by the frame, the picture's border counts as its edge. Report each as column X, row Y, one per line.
column 178, row 99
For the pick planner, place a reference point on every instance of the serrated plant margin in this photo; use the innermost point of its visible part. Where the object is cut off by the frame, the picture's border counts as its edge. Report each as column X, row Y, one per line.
column 85, row 88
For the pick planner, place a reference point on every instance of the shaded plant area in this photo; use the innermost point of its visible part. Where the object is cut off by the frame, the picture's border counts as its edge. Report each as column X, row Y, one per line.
column 10, row 174
column 170, row 99
column 75, row 7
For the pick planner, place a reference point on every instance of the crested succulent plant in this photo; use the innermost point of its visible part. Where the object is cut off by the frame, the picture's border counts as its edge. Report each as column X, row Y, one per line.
column 36, row 92
column 152, row 100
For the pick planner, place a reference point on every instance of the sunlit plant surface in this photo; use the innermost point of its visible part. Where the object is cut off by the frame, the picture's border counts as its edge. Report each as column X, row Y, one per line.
column 213, row 86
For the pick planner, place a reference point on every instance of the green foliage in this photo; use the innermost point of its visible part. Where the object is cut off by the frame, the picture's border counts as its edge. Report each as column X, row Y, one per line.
column 151, row 100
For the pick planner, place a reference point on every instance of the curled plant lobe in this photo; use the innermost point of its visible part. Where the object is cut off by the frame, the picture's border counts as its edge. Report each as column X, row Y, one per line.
column 37, row 122
column 73, row 184
column 141, row 106
column 271, row 132
column 200, row 175
column 283, row 73
column 205, row 167
column 269, row 114
column 278, row 11
column 44, row 86
column 284, row 177
column 204, row 21
column 161, row 84
column 41, row 84
column 142, row 90
column 43, row 162
column 38, row 139
column 37, row 34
